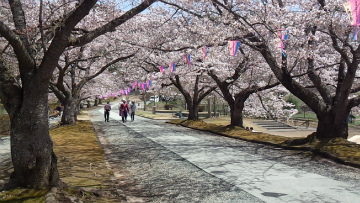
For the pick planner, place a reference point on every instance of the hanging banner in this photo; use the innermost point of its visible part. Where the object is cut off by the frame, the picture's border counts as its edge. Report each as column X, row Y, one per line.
column 282, row 40
column 162, row 69
column 352, row 9
column 355, row 6
column 280, row 36
column 172, row 67
column 348, row 10
column 205, row 51
column 234, row 46
column 188, row 59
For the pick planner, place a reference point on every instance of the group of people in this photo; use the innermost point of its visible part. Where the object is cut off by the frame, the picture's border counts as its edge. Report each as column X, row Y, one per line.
column 250, row 129
column 124, row 109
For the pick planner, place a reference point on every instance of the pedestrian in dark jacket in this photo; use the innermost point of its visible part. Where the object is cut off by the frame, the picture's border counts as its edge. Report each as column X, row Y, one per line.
column 132, row 110
column 123, row 110
column 107, row 109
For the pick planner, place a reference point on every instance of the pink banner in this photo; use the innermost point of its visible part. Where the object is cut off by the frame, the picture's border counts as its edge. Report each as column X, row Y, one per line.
column 162, row 69
column 355, row 6
column 234, row 46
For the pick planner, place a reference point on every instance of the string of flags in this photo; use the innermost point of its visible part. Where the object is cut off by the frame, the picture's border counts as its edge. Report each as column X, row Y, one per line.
column 233, row 47
column 352, row 9
column 172, row 67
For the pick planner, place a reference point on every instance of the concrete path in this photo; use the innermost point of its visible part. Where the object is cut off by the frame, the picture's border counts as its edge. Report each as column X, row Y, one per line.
column 168, row 163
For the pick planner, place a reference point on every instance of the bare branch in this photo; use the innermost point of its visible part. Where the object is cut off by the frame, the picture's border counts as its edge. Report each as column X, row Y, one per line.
column 110, row 26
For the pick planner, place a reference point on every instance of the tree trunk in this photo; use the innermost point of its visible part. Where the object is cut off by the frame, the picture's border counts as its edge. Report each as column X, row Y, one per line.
column 193, row 112
column 214, row 106
column 35, row 163
column 209, row 108
column 330, row 126
column 236, row 114
column 69, row 116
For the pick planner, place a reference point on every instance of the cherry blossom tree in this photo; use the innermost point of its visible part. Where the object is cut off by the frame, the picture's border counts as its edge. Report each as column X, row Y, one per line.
column 191, row 32
column 270, row 104
column 321, row 62
column 73, row 77
column 189, row 78
column 37, row 42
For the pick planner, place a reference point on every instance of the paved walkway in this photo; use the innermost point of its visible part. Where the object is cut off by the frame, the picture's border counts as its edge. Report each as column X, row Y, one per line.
column 159, row 162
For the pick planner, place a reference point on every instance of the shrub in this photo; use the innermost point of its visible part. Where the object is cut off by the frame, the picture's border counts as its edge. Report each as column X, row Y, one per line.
column 168, row 106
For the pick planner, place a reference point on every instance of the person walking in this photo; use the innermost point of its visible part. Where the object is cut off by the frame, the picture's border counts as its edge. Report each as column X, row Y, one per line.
column 107, row 109
column 132, row 110
column 123, row 110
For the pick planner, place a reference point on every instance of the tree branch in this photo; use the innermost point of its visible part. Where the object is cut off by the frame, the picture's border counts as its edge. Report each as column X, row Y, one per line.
column 110, row 26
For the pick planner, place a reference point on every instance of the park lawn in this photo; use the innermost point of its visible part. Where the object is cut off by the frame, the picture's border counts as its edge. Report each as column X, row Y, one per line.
column 308, row 116
column 81, row 166
column 226, row 121
column 337, row 149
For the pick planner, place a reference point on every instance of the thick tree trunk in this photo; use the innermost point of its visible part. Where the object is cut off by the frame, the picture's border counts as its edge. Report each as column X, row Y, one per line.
column 193, row 112
column 69, row 116
column 330, row 126
column 237, row 115
column 35, row 163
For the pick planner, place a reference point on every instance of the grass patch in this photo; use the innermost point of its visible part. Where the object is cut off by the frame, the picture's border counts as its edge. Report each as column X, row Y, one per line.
column 338, row 149
column 149, row 114
column 81, row 166
column 308, row 116
column 21, row 195
column 80, row 158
